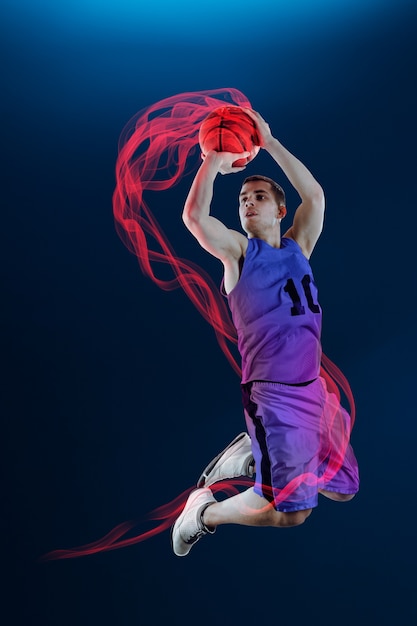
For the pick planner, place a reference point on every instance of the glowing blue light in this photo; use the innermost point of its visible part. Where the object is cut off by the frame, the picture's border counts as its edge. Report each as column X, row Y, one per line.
column 246, row 22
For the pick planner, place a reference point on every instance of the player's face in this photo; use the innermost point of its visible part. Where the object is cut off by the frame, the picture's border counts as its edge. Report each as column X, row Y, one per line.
column 258, row 208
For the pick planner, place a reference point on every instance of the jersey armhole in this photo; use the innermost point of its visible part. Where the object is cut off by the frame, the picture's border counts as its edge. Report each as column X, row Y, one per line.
column 222, row 288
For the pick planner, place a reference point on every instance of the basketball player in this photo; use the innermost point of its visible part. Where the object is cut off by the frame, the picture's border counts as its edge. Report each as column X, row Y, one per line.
column 273, row 299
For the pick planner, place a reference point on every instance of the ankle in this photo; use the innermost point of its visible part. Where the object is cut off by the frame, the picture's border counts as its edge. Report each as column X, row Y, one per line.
column 206, row 518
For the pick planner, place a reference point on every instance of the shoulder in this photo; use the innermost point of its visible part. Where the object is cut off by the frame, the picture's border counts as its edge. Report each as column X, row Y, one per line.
column 290, row 240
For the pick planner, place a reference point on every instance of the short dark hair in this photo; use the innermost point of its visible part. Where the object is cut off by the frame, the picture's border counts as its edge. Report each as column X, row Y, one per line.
column 276, row 189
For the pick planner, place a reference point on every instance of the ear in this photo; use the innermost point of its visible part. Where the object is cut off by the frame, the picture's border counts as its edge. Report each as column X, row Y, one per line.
column 282, row 211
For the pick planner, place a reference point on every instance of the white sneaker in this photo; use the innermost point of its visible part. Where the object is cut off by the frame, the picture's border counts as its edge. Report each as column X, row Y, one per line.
column 189, row 527
column 235, row 460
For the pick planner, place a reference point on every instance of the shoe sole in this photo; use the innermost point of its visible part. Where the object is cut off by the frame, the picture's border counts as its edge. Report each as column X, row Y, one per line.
column 202, row 480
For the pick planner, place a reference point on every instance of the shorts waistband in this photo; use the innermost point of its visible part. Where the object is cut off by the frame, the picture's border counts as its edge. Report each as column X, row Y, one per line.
column 278, row 382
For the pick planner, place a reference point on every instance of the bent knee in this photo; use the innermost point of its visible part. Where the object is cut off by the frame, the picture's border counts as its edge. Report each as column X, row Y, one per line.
column 295, row 518
column 345, row 497
column 336, row 496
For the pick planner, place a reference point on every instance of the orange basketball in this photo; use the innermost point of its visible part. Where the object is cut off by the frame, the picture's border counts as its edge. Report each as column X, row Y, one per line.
column 229, row 129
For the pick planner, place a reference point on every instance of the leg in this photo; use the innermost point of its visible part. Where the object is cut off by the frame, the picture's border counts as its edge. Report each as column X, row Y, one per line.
column 282, row 422
column 249, row 509
column 202, row 514
column 337, row 497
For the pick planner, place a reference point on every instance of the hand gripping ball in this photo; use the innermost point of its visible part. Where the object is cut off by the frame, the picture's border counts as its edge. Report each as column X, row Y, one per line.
column 229, row 129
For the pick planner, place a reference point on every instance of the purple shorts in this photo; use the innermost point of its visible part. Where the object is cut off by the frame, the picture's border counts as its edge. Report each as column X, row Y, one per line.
column 300, row 442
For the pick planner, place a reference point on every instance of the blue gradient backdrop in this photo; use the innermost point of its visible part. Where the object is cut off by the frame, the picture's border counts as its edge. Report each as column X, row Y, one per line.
column 115, row 394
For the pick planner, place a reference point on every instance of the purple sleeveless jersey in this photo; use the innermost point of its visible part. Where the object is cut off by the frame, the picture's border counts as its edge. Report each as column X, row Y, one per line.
column 276, row 313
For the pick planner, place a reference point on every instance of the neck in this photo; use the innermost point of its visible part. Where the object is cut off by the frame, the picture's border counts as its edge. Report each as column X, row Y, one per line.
column 272, row 237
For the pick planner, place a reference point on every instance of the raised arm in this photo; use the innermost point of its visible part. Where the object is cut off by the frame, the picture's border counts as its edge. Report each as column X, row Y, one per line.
column 222, row 242
column 309, row 216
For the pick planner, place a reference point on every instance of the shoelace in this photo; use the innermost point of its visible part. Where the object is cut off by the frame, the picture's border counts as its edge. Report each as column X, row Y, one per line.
column 200, row 533
column 202, row 528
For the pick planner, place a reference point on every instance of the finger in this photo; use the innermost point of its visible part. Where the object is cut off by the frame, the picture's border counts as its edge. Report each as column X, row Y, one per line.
column 251, row 112
column 255, row 116
column 232, row 169
column 235, row 155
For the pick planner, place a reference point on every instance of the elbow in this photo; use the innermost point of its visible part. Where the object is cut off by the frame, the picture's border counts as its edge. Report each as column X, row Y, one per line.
column 186, row 215
column 314, row 197
column 317, row 197
column 189, row 217
column 318, row 201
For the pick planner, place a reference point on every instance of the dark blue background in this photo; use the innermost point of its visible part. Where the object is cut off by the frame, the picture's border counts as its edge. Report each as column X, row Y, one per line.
column 115, row 394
